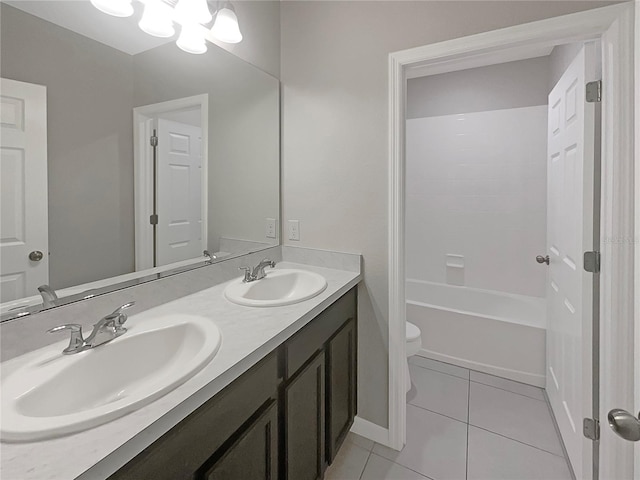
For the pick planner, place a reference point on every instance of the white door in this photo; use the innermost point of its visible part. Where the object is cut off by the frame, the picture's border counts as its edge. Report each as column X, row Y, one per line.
column 23, row 189
column 179, row 230
column 570, row 165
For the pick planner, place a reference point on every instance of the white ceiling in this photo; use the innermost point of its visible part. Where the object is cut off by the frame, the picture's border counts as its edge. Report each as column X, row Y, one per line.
column 81, row 17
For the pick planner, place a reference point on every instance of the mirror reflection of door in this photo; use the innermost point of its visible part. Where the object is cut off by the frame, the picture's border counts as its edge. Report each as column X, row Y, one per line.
column 24, row 252
column 179, row 186
column 171, row 182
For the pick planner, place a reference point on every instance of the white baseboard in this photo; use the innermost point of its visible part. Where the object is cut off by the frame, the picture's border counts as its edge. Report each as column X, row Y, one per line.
column 370, row 430
column 516, row 375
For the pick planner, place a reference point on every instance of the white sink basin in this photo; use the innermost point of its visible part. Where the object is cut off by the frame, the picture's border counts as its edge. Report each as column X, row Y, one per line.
column 279, row 287
column 54, row 394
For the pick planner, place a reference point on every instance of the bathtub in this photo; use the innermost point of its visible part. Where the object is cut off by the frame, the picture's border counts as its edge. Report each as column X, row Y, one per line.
column 492, row 332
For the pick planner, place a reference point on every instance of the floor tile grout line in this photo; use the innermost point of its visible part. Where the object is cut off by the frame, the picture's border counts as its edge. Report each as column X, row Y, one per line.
column 469, row 371
column 498, row 376
column 365, row 464
column 468, row 422
column 508, row 391
column 440, row 371
column 517, row 441
column 438, row 413
column 403, row 466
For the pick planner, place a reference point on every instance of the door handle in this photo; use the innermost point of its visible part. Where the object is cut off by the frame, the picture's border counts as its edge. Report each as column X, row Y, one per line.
column 541, row 259
column 624, row 424
column 36, row 256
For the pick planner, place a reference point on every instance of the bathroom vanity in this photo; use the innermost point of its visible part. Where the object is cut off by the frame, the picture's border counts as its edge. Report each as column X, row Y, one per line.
column 276, row 400
column 284, row 418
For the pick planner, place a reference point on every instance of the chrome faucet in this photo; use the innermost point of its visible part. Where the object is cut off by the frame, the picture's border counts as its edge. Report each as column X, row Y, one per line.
column 257, row 273
column 210, row 257
column 49, row 296
column 105, row 330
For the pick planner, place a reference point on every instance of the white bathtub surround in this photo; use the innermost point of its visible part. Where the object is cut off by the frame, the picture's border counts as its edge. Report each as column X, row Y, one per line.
column 248, row 334
column 455, row 269
column 492, row 332
column 476, row 199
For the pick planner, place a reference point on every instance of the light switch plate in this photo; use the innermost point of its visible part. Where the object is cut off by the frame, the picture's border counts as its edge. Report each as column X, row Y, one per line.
column 294, row 230
column 270, row 228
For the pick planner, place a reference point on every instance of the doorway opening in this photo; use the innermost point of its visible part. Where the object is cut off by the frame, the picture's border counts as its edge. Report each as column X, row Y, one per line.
column 613, row 27
column 171, row 182
column 499, row 203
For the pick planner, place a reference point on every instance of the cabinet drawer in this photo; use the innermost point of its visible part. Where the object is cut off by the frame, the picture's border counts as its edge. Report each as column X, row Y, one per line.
column 313, row 336
column 185, row 448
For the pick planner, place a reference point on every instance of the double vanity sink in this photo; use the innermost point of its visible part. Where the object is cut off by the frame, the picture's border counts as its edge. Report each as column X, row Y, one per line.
column 54, row 394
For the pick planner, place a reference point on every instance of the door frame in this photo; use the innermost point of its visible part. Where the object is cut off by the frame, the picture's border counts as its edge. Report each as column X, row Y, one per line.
column 143, row 125
column 614, row 25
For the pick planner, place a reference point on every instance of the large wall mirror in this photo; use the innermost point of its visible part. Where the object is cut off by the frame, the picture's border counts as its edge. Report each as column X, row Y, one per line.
column 124, row 156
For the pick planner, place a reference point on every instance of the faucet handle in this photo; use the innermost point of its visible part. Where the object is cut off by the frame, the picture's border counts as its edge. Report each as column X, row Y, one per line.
column 247, row 274
column 76, row 342
column 118, row 317
column 118, row 310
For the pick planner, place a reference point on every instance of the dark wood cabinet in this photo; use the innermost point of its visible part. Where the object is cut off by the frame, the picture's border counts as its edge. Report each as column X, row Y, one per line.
column 304, row 419
column 284, row 419
column 342, row 386
column 252, row 454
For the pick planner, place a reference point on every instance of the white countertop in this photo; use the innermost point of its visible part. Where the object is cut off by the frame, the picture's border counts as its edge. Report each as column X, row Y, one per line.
column 248, row 335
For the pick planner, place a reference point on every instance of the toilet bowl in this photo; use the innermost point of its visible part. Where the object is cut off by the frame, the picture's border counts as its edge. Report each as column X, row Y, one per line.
column 414, row 344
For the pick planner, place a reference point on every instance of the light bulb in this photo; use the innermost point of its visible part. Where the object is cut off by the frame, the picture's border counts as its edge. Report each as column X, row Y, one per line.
column 156, row 20
column 226, row 28
column 117, row 8
column 191, row 39
column 195, row 11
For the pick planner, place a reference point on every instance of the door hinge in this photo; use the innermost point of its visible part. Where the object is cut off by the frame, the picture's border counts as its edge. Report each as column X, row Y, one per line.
column 591, row 428
column 154, row 141
column 153, row 219
column 592, row 262
column 594, row 92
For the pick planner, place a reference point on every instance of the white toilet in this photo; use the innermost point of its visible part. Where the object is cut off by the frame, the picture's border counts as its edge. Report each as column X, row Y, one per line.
column 414, row 344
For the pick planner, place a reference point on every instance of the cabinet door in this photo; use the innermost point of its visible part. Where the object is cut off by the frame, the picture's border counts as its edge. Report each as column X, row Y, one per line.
column 252, row 454
column 304, row 404
column 341, row 386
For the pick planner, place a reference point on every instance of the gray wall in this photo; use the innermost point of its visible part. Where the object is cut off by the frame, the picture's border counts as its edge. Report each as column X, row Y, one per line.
column 334, row 74
column 90, row 222
column 495, row 87
column 259, row 22
column 243, row 133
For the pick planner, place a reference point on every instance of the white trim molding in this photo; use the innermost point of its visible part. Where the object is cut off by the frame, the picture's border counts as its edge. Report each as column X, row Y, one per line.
column 144, row 121
column 612, row 24
column 370, row 430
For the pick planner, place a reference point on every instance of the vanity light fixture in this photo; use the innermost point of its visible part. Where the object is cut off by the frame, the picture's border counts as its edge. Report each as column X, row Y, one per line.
column 192, row 15
column 225, row 27
column 193, row 11
column 191, row 39
column 117, row 8
column 156, row 19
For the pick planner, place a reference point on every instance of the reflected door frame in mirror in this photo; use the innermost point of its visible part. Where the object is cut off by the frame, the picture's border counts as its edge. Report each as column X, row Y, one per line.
column 144, row 124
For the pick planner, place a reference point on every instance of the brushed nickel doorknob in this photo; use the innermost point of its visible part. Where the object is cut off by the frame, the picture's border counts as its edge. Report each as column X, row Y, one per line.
column 541, row 259
column 624, row 424
column 36, row 256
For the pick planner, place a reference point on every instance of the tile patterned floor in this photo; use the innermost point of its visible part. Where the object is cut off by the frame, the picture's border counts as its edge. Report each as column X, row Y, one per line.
column 462, row 425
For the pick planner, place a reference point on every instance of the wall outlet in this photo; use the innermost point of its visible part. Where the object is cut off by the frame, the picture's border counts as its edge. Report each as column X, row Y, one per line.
column 294, row 230
column 270, row 228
